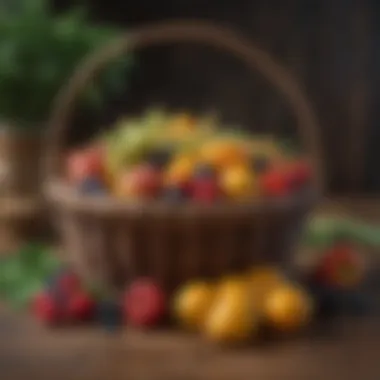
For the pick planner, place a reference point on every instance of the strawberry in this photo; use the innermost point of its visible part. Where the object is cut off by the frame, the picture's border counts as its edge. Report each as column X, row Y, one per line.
column 80, row 307
column 47, row 309
column 144, row 303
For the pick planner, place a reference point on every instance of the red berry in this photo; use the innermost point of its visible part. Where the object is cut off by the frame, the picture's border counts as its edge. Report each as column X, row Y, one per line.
column 80, row 307
column 205, row 190
column 144, row 303
column 275, row 183
column 46, row 309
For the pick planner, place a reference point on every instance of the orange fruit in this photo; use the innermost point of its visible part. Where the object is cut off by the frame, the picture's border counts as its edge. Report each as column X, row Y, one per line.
column 238, row 182
column 223, row 153
column 180, row 170
column 288, row 308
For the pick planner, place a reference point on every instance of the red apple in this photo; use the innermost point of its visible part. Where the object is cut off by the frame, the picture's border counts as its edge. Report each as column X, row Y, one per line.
column 85, row 164
column 47, row 309
column 142, row 181
column 341, row 266
column 80, row 307
column 275, row 182
column 144, row 303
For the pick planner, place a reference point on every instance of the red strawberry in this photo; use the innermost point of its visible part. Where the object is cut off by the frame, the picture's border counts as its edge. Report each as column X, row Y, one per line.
column 144, row 303
column 205, row 190
column 47, row 309
column 80, row 307
column 275, row 183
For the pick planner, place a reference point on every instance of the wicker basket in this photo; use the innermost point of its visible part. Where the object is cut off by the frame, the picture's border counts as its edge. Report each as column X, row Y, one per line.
column 112, row 241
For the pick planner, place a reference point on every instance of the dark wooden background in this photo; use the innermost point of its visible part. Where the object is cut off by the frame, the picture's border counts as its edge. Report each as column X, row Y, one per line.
column 330, row 46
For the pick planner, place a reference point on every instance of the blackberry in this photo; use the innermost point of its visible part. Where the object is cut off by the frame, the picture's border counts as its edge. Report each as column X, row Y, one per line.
column 109, row 314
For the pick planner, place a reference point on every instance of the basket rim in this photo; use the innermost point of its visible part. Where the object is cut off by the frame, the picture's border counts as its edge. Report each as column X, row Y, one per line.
column 61, row 193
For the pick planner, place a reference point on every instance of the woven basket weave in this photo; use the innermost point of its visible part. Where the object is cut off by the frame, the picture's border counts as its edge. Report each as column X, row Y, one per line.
column 112, row 241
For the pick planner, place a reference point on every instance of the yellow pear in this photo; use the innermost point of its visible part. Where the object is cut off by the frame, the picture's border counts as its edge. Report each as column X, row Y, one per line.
column 264, row 280
column 288, row 308
column 192, row 303
column 232, row 317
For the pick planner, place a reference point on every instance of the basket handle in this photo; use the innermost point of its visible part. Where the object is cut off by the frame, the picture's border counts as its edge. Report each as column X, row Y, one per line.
column 183, row 31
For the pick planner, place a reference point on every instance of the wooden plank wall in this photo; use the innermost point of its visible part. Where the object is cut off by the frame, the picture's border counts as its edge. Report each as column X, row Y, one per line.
column 331, row 47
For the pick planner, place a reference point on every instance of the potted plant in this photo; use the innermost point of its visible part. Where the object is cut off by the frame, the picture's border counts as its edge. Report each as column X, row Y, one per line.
column 39, row 50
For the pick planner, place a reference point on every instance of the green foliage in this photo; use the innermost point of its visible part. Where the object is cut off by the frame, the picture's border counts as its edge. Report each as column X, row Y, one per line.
column 39, row 51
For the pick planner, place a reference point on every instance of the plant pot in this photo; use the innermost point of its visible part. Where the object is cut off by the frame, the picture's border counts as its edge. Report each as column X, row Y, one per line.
column 20, row 183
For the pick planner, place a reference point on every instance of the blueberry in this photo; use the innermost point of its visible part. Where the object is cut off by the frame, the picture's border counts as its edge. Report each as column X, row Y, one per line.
column 358, row 303
column 92, row 186
column 260, row 164
column 174, row 194
column 109, row 314
column 160, row 157
column 204, row 171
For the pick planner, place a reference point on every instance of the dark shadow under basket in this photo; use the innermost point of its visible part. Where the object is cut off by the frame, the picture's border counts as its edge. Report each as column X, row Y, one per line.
column 112, row 241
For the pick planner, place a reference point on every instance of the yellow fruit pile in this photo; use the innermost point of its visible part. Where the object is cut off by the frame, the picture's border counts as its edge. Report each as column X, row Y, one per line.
column 234, row 310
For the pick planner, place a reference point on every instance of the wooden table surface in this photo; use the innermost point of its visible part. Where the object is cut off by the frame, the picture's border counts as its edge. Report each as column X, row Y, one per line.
column 347, row 349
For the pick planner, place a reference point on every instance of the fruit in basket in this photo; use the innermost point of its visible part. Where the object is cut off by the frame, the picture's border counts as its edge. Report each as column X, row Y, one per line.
column 205, row 172
column 238, row 182
column 160, row 157
column 232, row 317
column 223, row 153
column 181, row 126
column 143, row 181
column 144, row 303
column 299, row 173
column 83, row 164
column 191, row 304
column 92, row 186
column 341, row 266
column 205, row 190
column 260, row 164
column 180, row 170
column 275, row 183
column 288, row 308
column 175, row 193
